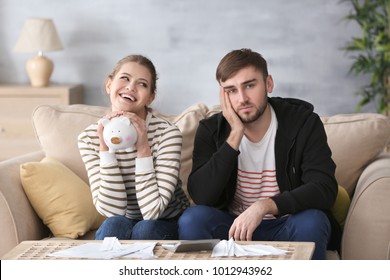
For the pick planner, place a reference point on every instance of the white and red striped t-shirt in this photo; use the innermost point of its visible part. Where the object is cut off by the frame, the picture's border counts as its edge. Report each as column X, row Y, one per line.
column 256, row 178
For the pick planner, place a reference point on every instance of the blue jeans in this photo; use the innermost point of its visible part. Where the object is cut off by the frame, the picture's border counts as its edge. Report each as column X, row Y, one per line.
column 203, row 222
column 125, row 229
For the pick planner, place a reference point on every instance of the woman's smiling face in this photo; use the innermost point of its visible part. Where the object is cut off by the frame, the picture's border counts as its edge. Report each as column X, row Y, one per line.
column 130, row 89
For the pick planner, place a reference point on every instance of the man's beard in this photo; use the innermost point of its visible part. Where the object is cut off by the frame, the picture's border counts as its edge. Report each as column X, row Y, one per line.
column 259, row 112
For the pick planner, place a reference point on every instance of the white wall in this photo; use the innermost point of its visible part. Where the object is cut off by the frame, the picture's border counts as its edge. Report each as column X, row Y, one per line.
column 185, row 39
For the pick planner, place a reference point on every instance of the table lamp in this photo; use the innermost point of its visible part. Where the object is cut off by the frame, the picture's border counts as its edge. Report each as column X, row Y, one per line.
column 39, row 35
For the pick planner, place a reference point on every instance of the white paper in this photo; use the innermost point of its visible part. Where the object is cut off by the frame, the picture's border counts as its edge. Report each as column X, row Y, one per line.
column 109, row 249
column 230, row 248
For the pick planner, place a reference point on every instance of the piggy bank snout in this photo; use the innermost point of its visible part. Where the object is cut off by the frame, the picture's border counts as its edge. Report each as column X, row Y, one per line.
column 116, row 140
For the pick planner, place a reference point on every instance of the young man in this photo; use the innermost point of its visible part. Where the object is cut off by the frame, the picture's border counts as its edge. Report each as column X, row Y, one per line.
column 262, row 168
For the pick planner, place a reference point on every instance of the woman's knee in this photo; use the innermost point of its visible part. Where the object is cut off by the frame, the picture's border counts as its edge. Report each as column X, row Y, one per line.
column 155, row 230
column 116, row 226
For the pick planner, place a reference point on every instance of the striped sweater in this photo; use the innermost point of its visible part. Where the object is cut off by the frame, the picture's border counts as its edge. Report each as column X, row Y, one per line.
column 138, row 188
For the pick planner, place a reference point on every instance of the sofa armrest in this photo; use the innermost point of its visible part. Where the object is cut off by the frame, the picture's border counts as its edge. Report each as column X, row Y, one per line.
column 367, row 228
column 18, row 218
column 388, row 252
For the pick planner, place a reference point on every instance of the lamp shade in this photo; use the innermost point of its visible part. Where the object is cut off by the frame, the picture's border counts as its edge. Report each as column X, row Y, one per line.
column 38, row 35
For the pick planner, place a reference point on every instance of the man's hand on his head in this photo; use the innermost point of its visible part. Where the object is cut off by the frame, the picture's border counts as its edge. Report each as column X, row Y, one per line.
column 237, row 127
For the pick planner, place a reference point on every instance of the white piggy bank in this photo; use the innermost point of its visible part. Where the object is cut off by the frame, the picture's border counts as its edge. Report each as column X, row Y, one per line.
column 118, row 133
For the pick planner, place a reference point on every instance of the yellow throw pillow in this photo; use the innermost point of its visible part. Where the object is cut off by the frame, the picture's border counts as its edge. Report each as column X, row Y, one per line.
column 341, row 206
column 61, row 199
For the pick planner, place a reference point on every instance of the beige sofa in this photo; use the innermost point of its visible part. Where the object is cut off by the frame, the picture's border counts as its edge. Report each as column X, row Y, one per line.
column 357, row 142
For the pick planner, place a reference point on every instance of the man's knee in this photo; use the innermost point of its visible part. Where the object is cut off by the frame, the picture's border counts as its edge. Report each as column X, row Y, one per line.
column 312, row 222
column 316, row 220
column 193, row 216
column 194, row 222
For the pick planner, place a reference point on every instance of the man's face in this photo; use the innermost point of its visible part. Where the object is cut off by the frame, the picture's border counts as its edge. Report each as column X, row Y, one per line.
column 247, row 92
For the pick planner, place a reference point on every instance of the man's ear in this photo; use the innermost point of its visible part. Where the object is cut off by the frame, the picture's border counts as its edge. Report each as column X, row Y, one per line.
column 269, row 83
column 108, row 86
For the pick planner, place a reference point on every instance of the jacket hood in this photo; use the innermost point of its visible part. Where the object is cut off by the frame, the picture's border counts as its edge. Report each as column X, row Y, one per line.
column 291, row 111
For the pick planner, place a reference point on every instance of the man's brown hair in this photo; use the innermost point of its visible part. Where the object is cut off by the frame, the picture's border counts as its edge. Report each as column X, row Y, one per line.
column 239, row 59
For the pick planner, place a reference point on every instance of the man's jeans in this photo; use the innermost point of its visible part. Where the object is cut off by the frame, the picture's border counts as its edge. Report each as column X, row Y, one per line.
column 125, row 229
column 203, row 222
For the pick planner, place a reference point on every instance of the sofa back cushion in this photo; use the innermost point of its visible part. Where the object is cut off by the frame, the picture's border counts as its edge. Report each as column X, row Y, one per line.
column 355, row 139
column 57, row 127
column 187, row 122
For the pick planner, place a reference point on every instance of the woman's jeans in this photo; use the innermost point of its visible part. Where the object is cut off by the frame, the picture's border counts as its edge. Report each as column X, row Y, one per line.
column 203, row 222
column 125, row 229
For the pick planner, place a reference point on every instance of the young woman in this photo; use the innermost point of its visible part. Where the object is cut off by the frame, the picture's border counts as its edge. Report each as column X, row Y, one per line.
column 138, row 189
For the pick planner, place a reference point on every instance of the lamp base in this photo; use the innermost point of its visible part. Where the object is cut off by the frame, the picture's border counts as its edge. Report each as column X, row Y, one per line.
column 39, row 70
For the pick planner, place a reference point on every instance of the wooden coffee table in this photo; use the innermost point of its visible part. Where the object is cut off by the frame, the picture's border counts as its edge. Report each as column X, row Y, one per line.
column 38, row 250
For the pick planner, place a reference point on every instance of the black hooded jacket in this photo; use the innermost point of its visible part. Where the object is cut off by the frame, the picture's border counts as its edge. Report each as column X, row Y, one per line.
column 305, row 171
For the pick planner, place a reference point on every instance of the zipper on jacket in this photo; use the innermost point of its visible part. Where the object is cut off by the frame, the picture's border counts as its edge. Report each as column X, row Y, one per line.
column 288, row 164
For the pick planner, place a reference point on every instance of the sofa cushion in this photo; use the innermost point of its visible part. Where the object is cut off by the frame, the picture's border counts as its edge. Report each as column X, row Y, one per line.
column 187, row 122
column 57, row 128
column 60, row 198
column 341, row 206
column 355, row 141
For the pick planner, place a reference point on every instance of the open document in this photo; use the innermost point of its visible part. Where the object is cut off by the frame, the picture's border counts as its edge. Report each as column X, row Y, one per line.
column 110, row 248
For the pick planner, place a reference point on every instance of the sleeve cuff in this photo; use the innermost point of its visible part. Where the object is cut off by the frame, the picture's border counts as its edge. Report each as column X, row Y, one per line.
column 144, row 165
column 107, row 158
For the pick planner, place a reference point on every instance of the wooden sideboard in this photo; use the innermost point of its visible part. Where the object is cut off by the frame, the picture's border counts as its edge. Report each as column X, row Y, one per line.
column 17, row 103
